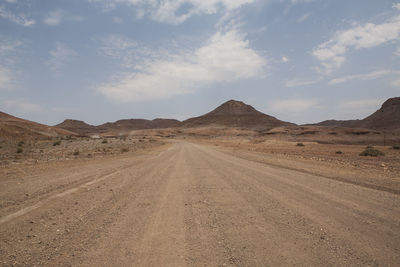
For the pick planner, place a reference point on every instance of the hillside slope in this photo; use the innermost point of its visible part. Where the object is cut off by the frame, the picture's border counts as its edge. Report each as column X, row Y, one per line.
column 235, row 114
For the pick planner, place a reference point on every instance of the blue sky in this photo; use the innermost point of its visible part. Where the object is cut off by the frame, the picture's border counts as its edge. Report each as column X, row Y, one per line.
column 102, row 60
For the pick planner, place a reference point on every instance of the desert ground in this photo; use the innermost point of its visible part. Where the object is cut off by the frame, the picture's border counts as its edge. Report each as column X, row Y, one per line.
column 197, row 201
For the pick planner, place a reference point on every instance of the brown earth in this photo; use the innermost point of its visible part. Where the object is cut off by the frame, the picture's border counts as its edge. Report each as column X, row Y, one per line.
column 192, row 204
column 13, row 128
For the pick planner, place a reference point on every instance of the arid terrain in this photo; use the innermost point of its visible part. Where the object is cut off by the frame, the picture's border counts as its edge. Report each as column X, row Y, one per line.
column 200, row 202
column 216, row 193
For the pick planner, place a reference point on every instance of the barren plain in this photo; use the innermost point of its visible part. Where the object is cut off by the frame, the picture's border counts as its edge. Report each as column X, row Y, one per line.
column 199, row 202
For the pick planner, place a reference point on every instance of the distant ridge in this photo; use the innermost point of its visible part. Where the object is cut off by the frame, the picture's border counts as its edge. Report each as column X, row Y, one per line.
column 118, row 127
column 386, row 118
column 235, row 114
column 77, row 126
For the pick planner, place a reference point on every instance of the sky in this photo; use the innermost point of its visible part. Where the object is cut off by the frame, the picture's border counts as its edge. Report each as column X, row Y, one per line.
column 301, row 61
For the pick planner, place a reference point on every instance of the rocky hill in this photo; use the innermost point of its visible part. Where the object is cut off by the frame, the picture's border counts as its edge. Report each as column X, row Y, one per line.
column 235, row 114
column 13, row 128
column 387, row 118
column 116, row 128
column 79, row 127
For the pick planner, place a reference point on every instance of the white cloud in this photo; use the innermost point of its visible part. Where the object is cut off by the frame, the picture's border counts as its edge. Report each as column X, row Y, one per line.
column 284, row 59
column 297, row 83
column 301, row 1
column 117, row 20
column 60, row 56
column 20, row 19
column 358, row 108
column 11, row 1
column 293, row 105
column 5, row 78
column 397, row 52
column 21, row 106
column 332, row 53
column 8, row 54
column 225, row 57
column 304, row 17
column 364, row 77
column 53, row 18
column 396, row 6
column 174, row 11
column 396, row 83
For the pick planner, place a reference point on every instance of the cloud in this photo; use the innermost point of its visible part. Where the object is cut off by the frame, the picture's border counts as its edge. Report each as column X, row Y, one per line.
column 304, row 17
column 53, row 18
column 174, row 11
column 293, row 105
column 397, row 52
column 301, row 1
column 396, row 6
column 358, row 108
column 224, row 58
column 297, row 83
column 117, row 20
column 332, row 53
column 284, row 59
column 20, row 19
column 396, row 83
column 60, row 56
column 364, row 77
column 11, row 1
column 5, row 78
column 21, row 106
column 8, row 51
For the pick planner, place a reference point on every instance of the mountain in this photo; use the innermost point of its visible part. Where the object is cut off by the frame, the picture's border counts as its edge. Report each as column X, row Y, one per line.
column 235, row 114
column 79, row 127
column 125, row 126
column 118, row 127
column 13, row 128
column 386, row 118
column 339, row 123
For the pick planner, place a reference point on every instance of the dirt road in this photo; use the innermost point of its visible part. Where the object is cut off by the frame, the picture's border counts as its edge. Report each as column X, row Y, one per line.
column 190, row 205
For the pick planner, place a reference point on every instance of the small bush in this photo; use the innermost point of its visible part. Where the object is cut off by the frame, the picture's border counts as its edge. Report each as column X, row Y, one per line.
column 372, row 152
column 57, row 143
column 396, row 147
column 104, row 141
column 124, row 150
column 76, row 152
column 20, row 150
column 339, row 152
column 369, row 147
column 300, row 144
column 21, row 143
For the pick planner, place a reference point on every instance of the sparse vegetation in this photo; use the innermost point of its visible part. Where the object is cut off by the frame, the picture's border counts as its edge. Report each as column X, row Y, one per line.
column 299, row 144
column 372, row 152
column 76, row 152
column 123, row 150
column 339, row 152
column 21, row 143
column 104, row 141
column 396, row 147
column 20, row 150
column 57, row 143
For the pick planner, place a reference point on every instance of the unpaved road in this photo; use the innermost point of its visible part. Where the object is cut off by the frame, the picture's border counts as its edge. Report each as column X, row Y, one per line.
column 190, row 205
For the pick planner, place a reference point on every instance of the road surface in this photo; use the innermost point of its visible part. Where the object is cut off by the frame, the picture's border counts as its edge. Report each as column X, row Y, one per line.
column 191, row 205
